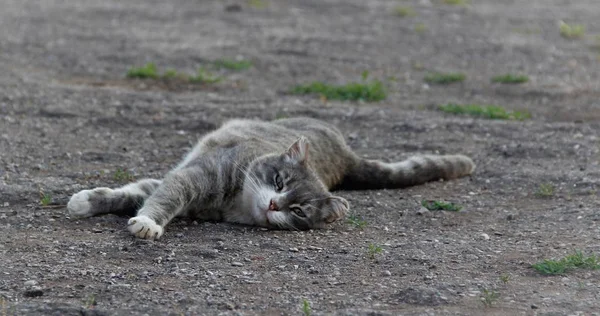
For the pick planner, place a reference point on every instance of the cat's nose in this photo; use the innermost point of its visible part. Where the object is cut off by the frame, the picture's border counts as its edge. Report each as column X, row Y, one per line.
column 273, row 206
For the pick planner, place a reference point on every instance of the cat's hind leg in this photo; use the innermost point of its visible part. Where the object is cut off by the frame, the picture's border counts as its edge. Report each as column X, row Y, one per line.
column 125, row 200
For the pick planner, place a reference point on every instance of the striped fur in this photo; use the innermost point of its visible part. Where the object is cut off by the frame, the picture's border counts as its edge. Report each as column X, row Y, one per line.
column 372, row 174
column 273, row 174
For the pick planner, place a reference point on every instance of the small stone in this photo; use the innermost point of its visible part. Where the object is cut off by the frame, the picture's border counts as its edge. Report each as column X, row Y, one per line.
column 233, row 8
column 510, row 217
column 97, row 230
column 386, row 273
column 31, row 283
column 485, row 236
column 294, row 249
column 179, row 235
column 230, row 306
column 237, row 264
column 533, row 306
column 423, row 211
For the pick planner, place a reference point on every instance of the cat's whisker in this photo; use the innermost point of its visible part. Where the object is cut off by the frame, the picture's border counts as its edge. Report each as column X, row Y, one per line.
column 254, row 187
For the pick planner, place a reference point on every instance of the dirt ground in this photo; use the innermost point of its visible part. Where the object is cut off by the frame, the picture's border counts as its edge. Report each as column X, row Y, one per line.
column 69, row 120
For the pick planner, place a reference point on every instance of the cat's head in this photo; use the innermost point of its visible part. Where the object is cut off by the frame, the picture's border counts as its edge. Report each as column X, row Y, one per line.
column 282, row 192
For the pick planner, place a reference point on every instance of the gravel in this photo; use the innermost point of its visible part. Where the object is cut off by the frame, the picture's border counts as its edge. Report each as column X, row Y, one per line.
column 69, row 120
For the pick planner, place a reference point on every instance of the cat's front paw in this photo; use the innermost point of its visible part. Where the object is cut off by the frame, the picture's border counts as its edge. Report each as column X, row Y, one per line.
column 80, row 204
column 144, row 227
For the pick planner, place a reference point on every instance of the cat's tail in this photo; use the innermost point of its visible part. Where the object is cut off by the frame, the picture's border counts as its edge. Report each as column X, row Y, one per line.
column 373, row 174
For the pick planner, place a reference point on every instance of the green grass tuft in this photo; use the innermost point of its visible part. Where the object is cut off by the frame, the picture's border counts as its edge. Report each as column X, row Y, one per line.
column 149, row 71
column 122, row 175
column 374, row 250
column 146, row 72
column 402, row 11
column 46, row 199
column 440, row 206
column 489, row 297
column 569, row 262
column 510, row 79
column 578, row 260
column 485, row 111
column 357, row 221
column 306, row 307
column 231, row 64
column 258, row 4
column 170, row 73
column 445, row 78
column 90, row 302
column 571, row 31
column 550, row 267
column 204, row 77
column 421, row 28
column 505, row 278
column 545, row 190
column 455, row 2
column 369, row 92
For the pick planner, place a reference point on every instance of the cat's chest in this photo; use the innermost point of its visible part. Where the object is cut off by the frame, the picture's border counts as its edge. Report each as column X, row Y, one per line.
column 217, row 211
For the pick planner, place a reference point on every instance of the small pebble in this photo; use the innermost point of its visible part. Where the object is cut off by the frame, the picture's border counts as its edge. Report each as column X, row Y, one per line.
column 30, row 283
column 294, row 249
column 237, row 264
column 423, row 212
column 233, row 8
column 533, row 306
column 510, row 217
column 386, row 273
column 485, row 236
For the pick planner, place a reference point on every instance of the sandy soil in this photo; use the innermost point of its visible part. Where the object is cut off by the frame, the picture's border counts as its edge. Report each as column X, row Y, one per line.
column 69, row 120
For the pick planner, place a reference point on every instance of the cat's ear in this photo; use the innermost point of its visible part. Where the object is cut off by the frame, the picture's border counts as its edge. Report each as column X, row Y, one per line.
column 298, row 151
column 338, row 208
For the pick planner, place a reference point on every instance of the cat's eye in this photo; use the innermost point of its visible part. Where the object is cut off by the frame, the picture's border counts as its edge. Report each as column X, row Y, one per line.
column 298, row 211
column 278, row 182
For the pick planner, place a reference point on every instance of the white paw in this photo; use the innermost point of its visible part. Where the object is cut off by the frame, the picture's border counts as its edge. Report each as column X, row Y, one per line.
column 144, row 227
column 79, row 205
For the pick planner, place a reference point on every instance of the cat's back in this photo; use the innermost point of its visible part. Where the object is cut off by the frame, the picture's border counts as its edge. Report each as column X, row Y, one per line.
column 259, row 135
column 306, row 124
column 274, row 136
column 283, row 130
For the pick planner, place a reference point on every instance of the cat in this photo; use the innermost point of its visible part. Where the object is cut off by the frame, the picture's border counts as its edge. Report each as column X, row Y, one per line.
column 271, row 174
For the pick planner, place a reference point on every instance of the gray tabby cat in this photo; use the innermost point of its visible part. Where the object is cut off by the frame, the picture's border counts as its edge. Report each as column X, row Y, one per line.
column 264, row 174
